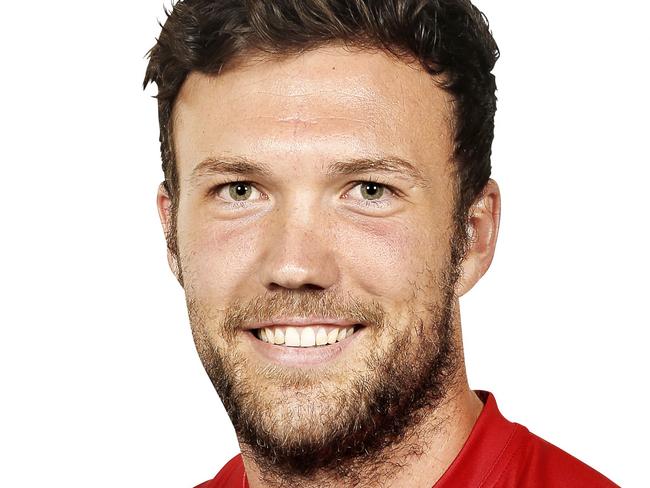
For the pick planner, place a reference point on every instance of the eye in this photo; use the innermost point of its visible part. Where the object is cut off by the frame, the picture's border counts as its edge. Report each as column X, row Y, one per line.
column 237, row 191
column 370, row 193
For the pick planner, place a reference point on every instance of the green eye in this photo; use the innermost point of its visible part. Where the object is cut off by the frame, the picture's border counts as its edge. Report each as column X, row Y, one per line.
column 240, row 191
column 371, row 191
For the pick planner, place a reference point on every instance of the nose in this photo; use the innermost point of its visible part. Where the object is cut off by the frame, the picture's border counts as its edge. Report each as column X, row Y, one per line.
column 299, row 249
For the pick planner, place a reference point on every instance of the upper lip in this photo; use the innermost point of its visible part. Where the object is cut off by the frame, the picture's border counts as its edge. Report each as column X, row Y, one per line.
column 301, row 322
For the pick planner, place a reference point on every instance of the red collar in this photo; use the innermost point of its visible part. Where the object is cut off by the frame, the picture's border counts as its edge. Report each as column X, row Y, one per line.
column 491, row 443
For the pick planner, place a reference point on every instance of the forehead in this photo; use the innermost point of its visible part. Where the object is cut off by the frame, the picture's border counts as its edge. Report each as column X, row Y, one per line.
column 330, row 102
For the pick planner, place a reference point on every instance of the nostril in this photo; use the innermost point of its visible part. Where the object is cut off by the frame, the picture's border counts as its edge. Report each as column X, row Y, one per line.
column 307, row 286
column 311, row 286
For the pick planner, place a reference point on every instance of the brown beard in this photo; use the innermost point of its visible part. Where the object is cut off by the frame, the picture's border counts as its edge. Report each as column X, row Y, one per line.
column 352, row 429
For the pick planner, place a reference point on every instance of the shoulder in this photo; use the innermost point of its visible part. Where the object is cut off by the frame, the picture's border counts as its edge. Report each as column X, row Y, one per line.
column 536, row 462
column 231, row 475
column 504, row 454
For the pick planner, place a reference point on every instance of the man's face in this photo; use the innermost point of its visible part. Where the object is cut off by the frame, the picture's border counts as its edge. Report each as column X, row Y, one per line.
column 334, row 231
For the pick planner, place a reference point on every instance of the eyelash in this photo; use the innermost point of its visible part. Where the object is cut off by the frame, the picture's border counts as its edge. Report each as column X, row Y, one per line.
column 366, row 203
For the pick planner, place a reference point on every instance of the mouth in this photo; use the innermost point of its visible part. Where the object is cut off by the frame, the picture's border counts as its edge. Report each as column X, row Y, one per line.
column 304, row 337
column 300, row 346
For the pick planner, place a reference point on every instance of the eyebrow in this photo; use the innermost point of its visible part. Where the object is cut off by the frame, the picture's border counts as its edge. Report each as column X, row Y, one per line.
column 391, row 164
column 247, row 167
column 229, row 165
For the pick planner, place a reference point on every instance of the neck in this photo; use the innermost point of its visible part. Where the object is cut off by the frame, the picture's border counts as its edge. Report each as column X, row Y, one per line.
column 419, row 461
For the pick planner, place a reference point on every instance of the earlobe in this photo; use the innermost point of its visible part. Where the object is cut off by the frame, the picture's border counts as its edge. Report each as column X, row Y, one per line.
column 483, row 229
column 165, row 213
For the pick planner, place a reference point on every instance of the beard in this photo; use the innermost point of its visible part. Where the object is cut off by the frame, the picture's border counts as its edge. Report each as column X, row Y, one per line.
column 334, row 422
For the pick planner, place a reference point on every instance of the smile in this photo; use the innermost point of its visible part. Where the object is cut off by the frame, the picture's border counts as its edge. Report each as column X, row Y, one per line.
column 301, row 346
column 310, row 336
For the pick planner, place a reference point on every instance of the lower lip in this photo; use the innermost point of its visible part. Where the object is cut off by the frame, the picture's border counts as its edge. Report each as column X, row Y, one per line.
column 301, row 356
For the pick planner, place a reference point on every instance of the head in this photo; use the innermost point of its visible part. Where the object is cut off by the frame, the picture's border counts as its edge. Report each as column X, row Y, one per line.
column 327, row 162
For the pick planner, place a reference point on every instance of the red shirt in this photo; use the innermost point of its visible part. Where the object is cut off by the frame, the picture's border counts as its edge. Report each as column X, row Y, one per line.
column 497, row 454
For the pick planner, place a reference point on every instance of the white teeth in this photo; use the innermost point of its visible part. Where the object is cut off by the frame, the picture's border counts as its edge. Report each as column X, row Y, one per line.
column 307, row 338
column 304, row 336
column 291, row 337
column 269, row 335
column 331, row 337
column 279, row 336
column 321, row 337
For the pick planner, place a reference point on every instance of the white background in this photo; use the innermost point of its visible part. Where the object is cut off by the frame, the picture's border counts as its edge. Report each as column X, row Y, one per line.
column 100, row 384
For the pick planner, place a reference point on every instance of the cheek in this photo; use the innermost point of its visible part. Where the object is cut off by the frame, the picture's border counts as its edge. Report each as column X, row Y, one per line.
column 396, row 259
column 216, row 256
column 384, row 257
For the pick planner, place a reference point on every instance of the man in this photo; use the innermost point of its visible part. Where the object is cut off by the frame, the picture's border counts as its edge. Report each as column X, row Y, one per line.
column 326, row 202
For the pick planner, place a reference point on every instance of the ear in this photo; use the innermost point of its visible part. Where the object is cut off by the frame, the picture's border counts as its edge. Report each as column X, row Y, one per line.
column 483, row 228
column 164, row 203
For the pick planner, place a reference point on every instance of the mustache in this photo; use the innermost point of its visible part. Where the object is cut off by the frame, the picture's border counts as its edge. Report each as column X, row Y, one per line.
column 303, row 303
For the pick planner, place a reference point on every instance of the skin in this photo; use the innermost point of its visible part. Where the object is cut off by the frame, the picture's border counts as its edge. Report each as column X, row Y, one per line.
column 304, row 231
